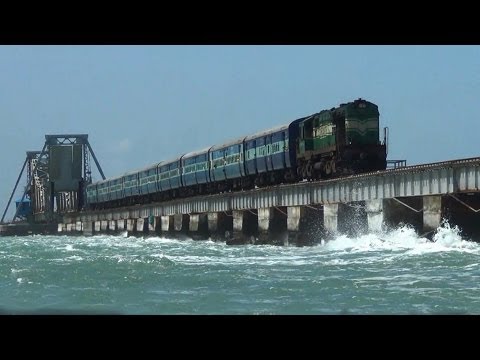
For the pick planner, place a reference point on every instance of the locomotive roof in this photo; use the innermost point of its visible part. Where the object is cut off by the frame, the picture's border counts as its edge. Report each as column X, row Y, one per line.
column 303, row 118
column 359, row 100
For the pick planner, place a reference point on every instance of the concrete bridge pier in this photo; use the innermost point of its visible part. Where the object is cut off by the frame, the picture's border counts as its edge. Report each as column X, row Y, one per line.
column 294, row 215
column 378, row 215
column 198, row 226
column 97, row 227
column 180, row 225
column 142, row 226
column 305, row 225
column 104, row 226
column 272, row 226
column 334, row 218
column 79, row 227
column 87, row 228
column 220, row 223
column 264, row 216
column 167, row 223
column 375, row 215
column 152, row 224
column 193, row 220
column 121, row 226
column 432, row 213
column 131, row 227
column 112, row 227
column 346, row 219
column 245, row 228
column 330, row 218
column 139, row 226
column 384, row 214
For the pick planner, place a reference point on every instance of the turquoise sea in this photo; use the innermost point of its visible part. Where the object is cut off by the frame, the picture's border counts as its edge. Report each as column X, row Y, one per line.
column 395, row 272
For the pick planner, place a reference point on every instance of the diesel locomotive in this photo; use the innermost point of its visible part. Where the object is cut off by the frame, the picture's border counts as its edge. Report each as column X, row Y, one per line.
column 331, row 143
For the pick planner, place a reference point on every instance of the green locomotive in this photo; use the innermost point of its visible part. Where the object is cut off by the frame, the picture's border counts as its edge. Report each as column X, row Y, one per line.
column 341, row 141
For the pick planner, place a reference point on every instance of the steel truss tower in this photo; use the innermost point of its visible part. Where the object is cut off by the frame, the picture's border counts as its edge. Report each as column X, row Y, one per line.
column 57, row 176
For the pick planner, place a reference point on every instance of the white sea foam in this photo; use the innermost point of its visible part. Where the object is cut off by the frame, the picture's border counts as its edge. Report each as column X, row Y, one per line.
column 75, row 257
column 445, row 238
column 15, row 271
column 383, row 246
column 163, row 240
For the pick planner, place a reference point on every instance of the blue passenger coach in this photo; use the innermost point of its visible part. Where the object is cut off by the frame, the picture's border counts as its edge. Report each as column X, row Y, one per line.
column 272, row 153
column 169, row 174
column 227, row 161
column 148, row 180
column 196, row 168
column 266, row 150
column 130, row 184
column 267, row 154
column 115, row 189
column 102, row 191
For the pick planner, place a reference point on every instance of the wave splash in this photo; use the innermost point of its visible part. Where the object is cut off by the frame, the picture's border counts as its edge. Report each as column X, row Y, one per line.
column 445, row 238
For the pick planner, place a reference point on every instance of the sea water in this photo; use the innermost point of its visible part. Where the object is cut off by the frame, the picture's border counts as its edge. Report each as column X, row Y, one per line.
column 394, row 272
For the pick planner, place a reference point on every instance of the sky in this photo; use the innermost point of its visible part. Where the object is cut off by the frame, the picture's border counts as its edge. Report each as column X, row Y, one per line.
column 143, row 104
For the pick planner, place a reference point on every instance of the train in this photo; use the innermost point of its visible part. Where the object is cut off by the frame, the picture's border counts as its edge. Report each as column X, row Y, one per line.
column 341, row 141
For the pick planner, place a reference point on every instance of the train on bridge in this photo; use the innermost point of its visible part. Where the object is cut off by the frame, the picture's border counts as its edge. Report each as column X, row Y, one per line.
column 331, row 143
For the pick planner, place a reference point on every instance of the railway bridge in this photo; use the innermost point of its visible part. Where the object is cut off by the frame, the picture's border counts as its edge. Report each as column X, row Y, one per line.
column 422, row 196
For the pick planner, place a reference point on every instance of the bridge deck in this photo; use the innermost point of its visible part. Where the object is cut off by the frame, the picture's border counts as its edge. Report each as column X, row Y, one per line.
column 454, row 176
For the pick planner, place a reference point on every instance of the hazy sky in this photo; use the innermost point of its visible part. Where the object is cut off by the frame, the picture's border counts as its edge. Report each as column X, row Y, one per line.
column 143, row 104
